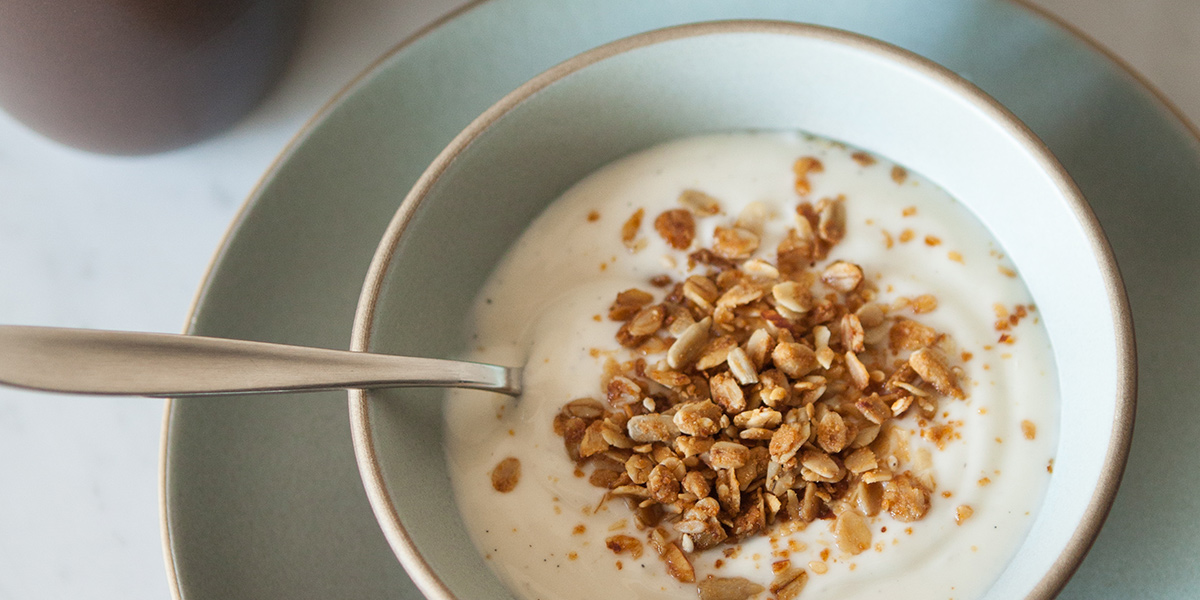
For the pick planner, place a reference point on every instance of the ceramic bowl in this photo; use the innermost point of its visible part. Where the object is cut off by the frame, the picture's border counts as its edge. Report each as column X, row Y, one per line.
column 499, row 173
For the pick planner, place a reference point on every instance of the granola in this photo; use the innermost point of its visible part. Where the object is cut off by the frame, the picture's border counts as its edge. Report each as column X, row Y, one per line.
column 761, row 394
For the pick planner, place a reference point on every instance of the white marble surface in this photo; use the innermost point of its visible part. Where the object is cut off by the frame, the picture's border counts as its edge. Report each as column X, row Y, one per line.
column 121, row 243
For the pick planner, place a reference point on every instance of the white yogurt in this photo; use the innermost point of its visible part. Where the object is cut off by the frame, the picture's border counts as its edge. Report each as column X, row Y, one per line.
column 540, row 309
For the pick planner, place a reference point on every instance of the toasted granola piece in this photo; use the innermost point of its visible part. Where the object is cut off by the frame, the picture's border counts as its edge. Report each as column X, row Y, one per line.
column 810, row 505
column 851, row 532
column 663, row 484
column 832, row 433
column 727, row 588
column 698, row 418
column 712, row 534
column 704, row 256
column 727, row 393
column 593, row 441
column 874, row 409
column 652, row 428
column 797, row 251
column 788, row 584
column 794, row 359
column 901, row 404
column 859, row 375
column 901, row 379
column 584, row 408
column 823, row 312
column 641, row 326
column 831, row 225
column 573, row 431
column 866, row 434
column 753, row 517
column 928, row 406
column 728, row 491
column 752, row 218
column 822, row 465
column 962, row 513
column 728, row 455
column 739, row 295
column 700, row 203
column 931, row 366
column 677, row 563
column 623, row 391
column 870, row 315
column 863, row 159
column 924, row 303
column 734, row 243
column 761, row 269
column 677, row 227
column 695, row 484
column 630, row 229
column 715, row 352
column 802, row 168
column 755, row 467
column 670, row 378
column 621, row 544
column 638, row 468
column 761, row 417
column 741, row 367
column 774, row 388
column 842, row 276
column 701, row 291
column 869, row 498
column 1028, row 429
column 628, row 303
column 853, row 336
column 605, row 478
column 907, row 334
column 877, row 476
column 705, row 508
column 689, row 345
column 688, row 445
column 759, row 347
column 861, row 461
column 645, row 517
column 786, row 442
column 905, row 498
column 792, row 296
column 506, row 475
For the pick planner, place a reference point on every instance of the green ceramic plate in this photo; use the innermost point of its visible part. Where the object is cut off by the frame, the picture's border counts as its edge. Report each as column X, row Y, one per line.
column 261, row 495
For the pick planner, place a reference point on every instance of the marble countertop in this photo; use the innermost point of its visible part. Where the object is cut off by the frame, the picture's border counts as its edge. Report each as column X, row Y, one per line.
column 122, row 243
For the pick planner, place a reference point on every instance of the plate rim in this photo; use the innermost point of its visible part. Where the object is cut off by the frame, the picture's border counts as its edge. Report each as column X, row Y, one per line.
column 1171, row 111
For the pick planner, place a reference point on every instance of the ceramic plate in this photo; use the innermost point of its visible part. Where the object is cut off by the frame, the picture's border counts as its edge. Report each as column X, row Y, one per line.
column 261, row 495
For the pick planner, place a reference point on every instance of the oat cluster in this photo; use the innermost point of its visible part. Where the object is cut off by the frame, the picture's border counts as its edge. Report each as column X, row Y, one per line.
column 763, row 393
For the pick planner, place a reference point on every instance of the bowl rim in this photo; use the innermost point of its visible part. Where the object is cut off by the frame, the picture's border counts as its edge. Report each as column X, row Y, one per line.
column 1117, row 448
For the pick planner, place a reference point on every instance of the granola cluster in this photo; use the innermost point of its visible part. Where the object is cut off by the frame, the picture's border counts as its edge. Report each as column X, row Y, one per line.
column 760, row 393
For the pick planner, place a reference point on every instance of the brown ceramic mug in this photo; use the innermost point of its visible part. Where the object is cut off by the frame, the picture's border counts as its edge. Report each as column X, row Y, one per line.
column 139, row 76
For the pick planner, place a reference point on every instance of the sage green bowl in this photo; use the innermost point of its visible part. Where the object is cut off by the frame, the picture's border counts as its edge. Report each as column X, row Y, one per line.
column 498, row 174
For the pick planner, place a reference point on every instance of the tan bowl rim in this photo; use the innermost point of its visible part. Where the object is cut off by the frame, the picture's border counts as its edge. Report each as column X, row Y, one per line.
column 1117, row 453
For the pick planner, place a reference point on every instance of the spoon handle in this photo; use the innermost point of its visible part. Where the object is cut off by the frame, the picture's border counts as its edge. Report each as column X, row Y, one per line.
column 85, row 361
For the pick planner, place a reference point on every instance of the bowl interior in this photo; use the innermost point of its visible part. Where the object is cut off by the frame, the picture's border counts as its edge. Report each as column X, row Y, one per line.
column 501, row 172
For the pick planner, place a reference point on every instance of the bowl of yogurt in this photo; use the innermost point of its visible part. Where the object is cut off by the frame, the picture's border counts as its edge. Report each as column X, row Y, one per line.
column 801, row 315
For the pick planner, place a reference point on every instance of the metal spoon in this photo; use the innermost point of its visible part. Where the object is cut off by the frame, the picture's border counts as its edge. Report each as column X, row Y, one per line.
column 86, row 361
